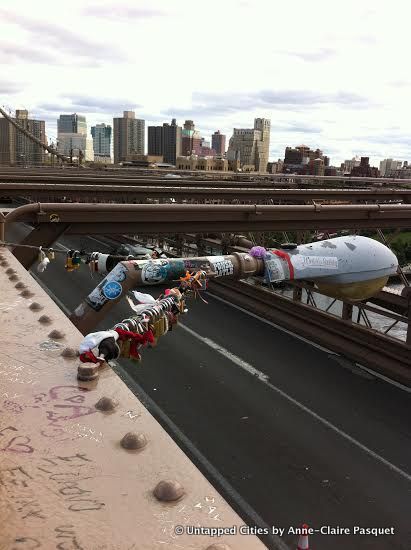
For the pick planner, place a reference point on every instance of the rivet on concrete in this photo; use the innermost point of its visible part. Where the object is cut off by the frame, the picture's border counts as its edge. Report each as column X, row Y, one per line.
column 35, row 306
column 26, row 293
column 70, row 353
column 168, row 490
column 20, row 285
column 106, row 404
column 56, row 334
column 10, row 271
column 219, row 546
column 87, row 371
column 133, row 441
column 13, row 278
column 45, row 319
column 4, row 263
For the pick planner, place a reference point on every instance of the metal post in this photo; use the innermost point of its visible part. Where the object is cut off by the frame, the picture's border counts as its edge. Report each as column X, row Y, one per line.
column 347, row 311
column 297, row 293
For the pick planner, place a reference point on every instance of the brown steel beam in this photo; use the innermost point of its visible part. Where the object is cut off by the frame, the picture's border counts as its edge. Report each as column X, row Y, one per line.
column 185, row 218
column 195, row 177
column 43, row 235
column 80, row 192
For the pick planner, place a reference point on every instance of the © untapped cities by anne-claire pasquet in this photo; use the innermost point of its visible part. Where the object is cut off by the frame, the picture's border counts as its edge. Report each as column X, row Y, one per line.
column 291, row 530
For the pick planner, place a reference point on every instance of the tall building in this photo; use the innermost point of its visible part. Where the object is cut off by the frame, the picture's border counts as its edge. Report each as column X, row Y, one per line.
column 171, row 142
column 76, row 146
column 251, row 146
column 128, row 136
column 165, row 140
column 72, row 139
column 72, row 124
column 364, row 170
column 388, row 167
column 7, row 142
column 190, row 139
column 15, row 147
column 101, row 134
column 218, row 143
column 155, row 140
column 348, row 165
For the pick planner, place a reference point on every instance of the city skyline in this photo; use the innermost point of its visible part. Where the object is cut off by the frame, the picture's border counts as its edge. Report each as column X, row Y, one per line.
column 328, row 88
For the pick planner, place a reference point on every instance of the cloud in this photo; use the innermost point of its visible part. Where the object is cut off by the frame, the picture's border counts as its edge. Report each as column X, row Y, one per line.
column 64, row 40
column 388, row 139
column 315, row 55
column 223, row 104
column 400, row 83
column 297, row 128
column 121, row 11
column 86, row 104
column 11, row 53
column 9, row 87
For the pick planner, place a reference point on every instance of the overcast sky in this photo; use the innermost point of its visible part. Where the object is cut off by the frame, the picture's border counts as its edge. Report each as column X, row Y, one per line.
column 328, row 74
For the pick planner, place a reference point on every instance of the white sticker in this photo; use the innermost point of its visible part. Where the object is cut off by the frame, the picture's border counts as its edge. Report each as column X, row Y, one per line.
column 221, row 266
column 154, row 271
column 324, row 262
column 275, row 270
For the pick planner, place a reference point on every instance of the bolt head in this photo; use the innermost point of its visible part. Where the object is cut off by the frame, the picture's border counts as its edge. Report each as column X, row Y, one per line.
column 35, row 306
column 133, row 441
column 56, row 334
column 168, row 490
column 45, row 319
column 26, row 293
column 13, row 278
column 69, row 353
column 20, row 285
column 10, row 271
column 106, row 404
column 219, row 546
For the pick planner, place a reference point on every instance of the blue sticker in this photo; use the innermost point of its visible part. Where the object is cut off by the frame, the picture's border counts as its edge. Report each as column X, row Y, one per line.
column 112, row 290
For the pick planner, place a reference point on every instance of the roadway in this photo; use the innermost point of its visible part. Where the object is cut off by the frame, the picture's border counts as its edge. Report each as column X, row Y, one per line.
column 300, row 434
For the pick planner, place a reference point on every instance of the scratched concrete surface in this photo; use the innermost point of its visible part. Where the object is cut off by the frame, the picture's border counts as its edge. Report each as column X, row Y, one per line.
column 65, row 481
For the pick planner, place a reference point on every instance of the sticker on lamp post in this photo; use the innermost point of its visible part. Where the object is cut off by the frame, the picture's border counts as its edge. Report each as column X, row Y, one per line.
column 112, row 290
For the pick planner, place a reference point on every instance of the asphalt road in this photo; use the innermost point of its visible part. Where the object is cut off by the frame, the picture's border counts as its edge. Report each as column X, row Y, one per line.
column 302, row 438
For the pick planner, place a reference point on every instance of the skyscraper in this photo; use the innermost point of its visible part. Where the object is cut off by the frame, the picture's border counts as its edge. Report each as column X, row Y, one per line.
column 388, row 167
column 155, row 140
column 251, row 146
column 165, row 140
column 190, row 139
column 72, row 124
column 101, row 134
column 128, row 136
column 218, row 143
column 171, row 141
column 15, row 147
column 72, row 137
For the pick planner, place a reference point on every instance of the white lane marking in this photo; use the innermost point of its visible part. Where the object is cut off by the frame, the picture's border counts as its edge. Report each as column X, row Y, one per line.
column 374, row 373
column 234, row 358
column 263, row 378
column 267, row 322
column 154, row 409
column 62, row 247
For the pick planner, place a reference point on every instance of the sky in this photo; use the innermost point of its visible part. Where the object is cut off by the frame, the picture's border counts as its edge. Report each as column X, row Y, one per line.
column 333, row 75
